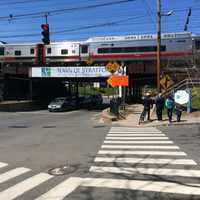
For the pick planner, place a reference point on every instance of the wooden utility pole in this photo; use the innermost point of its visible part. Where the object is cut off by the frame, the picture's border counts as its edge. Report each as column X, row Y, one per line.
column 158, row 43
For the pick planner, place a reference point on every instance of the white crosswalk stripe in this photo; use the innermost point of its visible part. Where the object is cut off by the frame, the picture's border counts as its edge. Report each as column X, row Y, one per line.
column 13, row 173
column 121, row 148
column 151, row 171
column 135, row 134
column 138, row 147
column 62, row 190
column 146, row 160
column 125, row 152
column 136, row 142
column 137, row 138
column 24, row 186
column 3, row 165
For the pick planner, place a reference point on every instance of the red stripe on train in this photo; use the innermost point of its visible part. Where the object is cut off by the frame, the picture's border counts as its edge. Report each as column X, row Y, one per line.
column 142, row 55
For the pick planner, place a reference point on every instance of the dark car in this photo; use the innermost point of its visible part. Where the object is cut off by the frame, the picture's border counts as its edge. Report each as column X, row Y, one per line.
column 62, row 104
column 92, row 100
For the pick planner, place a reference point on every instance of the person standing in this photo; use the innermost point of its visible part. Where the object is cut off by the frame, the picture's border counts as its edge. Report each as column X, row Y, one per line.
column 160, row 103
column 169, row 103
column 178, row 110
column 147, row 103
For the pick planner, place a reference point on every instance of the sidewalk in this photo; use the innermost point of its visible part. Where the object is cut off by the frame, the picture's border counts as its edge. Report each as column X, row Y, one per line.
column 133, row 114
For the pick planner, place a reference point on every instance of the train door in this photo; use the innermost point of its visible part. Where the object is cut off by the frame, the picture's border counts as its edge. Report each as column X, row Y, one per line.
column 84, row 52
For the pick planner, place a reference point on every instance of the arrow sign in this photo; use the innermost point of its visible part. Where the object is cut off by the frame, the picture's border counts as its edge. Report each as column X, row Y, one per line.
column 118, row 81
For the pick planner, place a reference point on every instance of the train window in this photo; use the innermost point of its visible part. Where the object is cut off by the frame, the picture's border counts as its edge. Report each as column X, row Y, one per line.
column 73, row 51
column 84, row 49
column 130, row 49
column 18, row 53
column 32, row 51
column 64, row 51
column 181, row 41
column 48, row 50
column 197, row 44
column 1, row 51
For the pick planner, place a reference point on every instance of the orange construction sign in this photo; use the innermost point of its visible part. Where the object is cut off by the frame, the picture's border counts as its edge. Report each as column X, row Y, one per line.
column 118, row 81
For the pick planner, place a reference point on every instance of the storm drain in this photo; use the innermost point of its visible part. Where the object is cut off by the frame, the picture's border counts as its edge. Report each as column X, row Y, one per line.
column 61, row 170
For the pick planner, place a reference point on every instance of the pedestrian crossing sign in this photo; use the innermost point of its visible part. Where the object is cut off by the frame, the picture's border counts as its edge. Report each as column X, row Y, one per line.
column 166, row 81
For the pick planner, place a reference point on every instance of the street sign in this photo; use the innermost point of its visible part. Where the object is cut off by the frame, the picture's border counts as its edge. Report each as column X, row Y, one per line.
column 166, row 81
column 118, row 81
column 112, row 67
column 181, row 97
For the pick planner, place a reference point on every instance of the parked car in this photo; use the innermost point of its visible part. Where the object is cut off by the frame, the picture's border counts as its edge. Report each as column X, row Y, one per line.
column 92, row 100
column 62, row 104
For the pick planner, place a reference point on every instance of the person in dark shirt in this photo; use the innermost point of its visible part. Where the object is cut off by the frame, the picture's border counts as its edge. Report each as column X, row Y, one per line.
column 147, row 103
column 160, row 103
column 178, row 110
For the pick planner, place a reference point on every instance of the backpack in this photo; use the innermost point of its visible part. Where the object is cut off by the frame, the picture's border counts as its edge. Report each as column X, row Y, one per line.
column 169, row 103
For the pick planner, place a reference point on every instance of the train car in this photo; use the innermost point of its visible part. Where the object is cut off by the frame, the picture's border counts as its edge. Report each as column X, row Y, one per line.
column 29, row 53
column 137, row 47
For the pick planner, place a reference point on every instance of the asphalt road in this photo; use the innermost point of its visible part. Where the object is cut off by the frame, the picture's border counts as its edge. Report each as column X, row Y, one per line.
column 36, row 142
column 41, row 141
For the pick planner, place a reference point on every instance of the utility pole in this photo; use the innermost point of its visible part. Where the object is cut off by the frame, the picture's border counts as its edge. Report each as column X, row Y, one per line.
column 158, row 43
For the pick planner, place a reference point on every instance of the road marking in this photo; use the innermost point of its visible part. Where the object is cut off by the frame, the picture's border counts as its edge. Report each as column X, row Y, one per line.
column 3, row 164
column 13, row 173
column 150, row 171
column 137, row 142
column 153, row 186
column 24, row 186
column 134, row 129
column 124, row 152
column 135, row 134
column 62, row 190
column 146, row 132
column 146, row 161
column 137, row 147
column 137, row 138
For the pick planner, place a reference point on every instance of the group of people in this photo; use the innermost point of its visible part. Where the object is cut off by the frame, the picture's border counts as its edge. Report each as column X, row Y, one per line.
column 160, row 103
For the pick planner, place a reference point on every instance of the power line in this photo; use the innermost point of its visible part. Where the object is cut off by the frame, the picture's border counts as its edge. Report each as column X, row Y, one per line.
column 20, row 2
column 149, row 11
column 76, row 29
column 59, row 11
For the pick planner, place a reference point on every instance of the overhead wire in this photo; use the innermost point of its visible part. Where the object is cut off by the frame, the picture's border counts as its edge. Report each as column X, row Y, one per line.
column 59, row 11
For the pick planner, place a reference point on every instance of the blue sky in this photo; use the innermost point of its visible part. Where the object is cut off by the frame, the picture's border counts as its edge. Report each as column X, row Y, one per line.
column 134, row 17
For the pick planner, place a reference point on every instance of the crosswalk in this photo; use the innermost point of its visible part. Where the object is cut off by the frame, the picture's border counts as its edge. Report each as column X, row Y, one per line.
column 147, row 156
column 138, row 159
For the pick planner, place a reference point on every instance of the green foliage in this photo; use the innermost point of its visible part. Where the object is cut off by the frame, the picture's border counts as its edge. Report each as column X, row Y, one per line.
column 91, row 90
column 196, row 98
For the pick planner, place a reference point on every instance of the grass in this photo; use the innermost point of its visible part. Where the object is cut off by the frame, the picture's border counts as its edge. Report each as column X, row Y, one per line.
column 196, row 98
column 91, row 90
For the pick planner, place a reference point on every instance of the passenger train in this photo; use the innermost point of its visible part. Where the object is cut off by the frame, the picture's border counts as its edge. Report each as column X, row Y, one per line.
column 102, row 49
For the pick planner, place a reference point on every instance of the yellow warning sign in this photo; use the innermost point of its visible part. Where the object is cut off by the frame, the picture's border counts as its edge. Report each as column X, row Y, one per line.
column 166, row 81
column 112, row 67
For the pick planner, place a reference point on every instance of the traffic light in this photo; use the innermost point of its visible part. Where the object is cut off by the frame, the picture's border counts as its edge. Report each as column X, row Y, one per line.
column 45, row 33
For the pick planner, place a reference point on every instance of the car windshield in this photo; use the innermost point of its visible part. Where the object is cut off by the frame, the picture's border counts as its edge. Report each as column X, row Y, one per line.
column 58, row 100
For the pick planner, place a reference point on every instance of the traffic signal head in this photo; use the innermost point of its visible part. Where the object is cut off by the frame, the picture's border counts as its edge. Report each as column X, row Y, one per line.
column 45, row 33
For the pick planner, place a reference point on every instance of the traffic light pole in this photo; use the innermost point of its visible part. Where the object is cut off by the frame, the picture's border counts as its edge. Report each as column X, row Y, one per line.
column 46, row 18
column 158, row 43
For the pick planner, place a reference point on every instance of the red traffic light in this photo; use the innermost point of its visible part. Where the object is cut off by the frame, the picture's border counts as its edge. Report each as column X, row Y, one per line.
column 45, row 33
column 45, row 27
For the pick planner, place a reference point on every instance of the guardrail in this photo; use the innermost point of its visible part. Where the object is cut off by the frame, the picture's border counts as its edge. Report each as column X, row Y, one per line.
column 186, row 83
